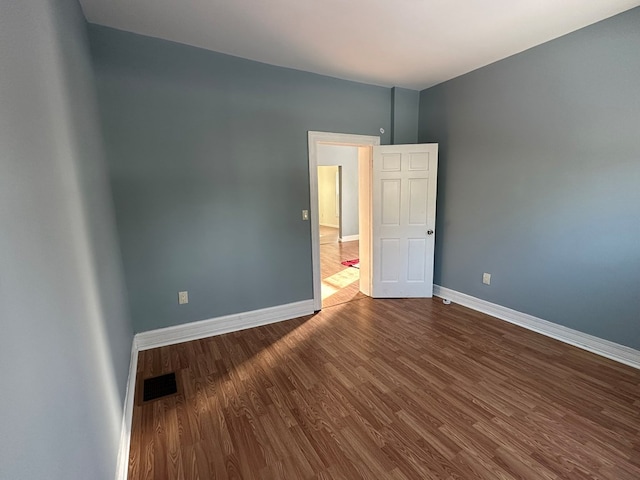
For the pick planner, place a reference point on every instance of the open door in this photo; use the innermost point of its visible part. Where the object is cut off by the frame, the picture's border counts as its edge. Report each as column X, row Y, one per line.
column 397, row 215
column 403, row 220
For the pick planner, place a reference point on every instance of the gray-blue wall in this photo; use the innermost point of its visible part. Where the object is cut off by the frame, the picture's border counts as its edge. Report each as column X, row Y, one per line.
column 66, row 338
column 539, row 180
column 209, row 169
column 404, row 115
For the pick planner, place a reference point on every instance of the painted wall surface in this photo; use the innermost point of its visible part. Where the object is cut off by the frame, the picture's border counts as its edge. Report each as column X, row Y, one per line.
column 66, row 338
column 328, row 201
column 405, row 105
column 209, row 168
column 539, row 180
column 347, row 158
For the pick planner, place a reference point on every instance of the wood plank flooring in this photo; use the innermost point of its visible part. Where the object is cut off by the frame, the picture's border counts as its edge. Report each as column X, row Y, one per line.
column 328, row 235
column 340, row 284
column 387, row 389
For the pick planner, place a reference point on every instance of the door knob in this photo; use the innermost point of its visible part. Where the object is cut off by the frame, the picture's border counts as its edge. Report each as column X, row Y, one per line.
column 429, row 232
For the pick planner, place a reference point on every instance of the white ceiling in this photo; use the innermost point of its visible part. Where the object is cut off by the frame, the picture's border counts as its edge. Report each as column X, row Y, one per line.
column 407, row 43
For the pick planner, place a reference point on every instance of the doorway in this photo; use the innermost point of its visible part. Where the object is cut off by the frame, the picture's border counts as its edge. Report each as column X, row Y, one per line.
column 339, row 224
column 352, row 154
column 396, row 214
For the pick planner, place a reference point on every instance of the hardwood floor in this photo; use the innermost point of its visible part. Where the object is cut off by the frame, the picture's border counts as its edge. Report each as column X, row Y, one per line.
column 328, row 235
column 387, row 389
column 340, row 284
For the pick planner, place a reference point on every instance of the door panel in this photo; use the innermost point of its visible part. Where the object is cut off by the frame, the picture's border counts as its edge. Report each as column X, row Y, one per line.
column 390, row 260
column 418, row 201
column 391, row 162
column 403, row 220
column 419, row 161
column 391, row 202
column 416, row 260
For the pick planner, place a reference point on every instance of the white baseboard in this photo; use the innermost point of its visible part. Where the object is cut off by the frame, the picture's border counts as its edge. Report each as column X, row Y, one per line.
column 330, row 225
column 122, row 467
column 599, row 346
column 349, row 238
column 220, row 325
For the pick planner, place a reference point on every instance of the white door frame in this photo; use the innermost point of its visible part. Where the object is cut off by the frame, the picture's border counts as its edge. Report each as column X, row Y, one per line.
column 315, row 139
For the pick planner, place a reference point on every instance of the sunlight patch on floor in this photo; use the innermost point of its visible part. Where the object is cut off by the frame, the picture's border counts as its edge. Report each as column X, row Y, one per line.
column 335, row 282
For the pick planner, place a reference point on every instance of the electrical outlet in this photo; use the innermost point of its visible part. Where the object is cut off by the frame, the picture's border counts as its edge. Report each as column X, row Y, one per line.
column 305, row 214
column 183, row 297
column 486, row 278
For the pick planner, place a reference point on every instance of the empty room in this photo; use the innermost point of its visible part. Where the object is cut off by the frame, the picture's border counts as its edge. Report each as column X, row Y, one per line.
column 320, row 240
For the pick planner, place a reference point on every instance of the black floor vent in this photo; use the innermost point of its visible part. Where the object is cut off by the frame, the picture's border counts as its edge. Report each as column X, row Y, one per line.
column 158, row 387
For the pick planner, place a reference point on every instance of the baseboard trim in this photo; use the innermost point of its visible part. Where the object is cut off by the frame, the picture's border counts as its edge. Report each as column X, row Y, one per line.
column 122, row 466
column 349, row 238
column 599, row 346
column 220, row 325
column 330, row 225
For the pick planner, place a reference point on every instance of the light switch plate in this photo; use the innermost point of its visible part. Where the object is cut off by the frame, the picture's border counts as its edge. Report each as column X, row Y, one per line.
column 305, row 214
column 486, row 278
column 183, row 297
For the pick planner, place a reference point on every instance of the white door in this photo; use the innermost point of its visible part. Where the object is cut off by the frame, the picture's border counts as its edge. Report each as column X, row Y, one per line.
column 403, row 220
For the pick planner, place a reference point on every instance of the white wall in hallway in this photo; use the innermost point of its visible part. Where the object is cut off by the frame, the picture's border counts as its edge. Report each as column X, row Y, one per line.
column 328, row 202
column 347, row 158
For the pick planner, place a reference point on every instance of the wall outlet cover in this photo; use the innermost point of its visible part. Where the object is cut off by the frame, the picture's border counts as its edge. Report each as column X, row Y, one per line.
column 486, row 278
